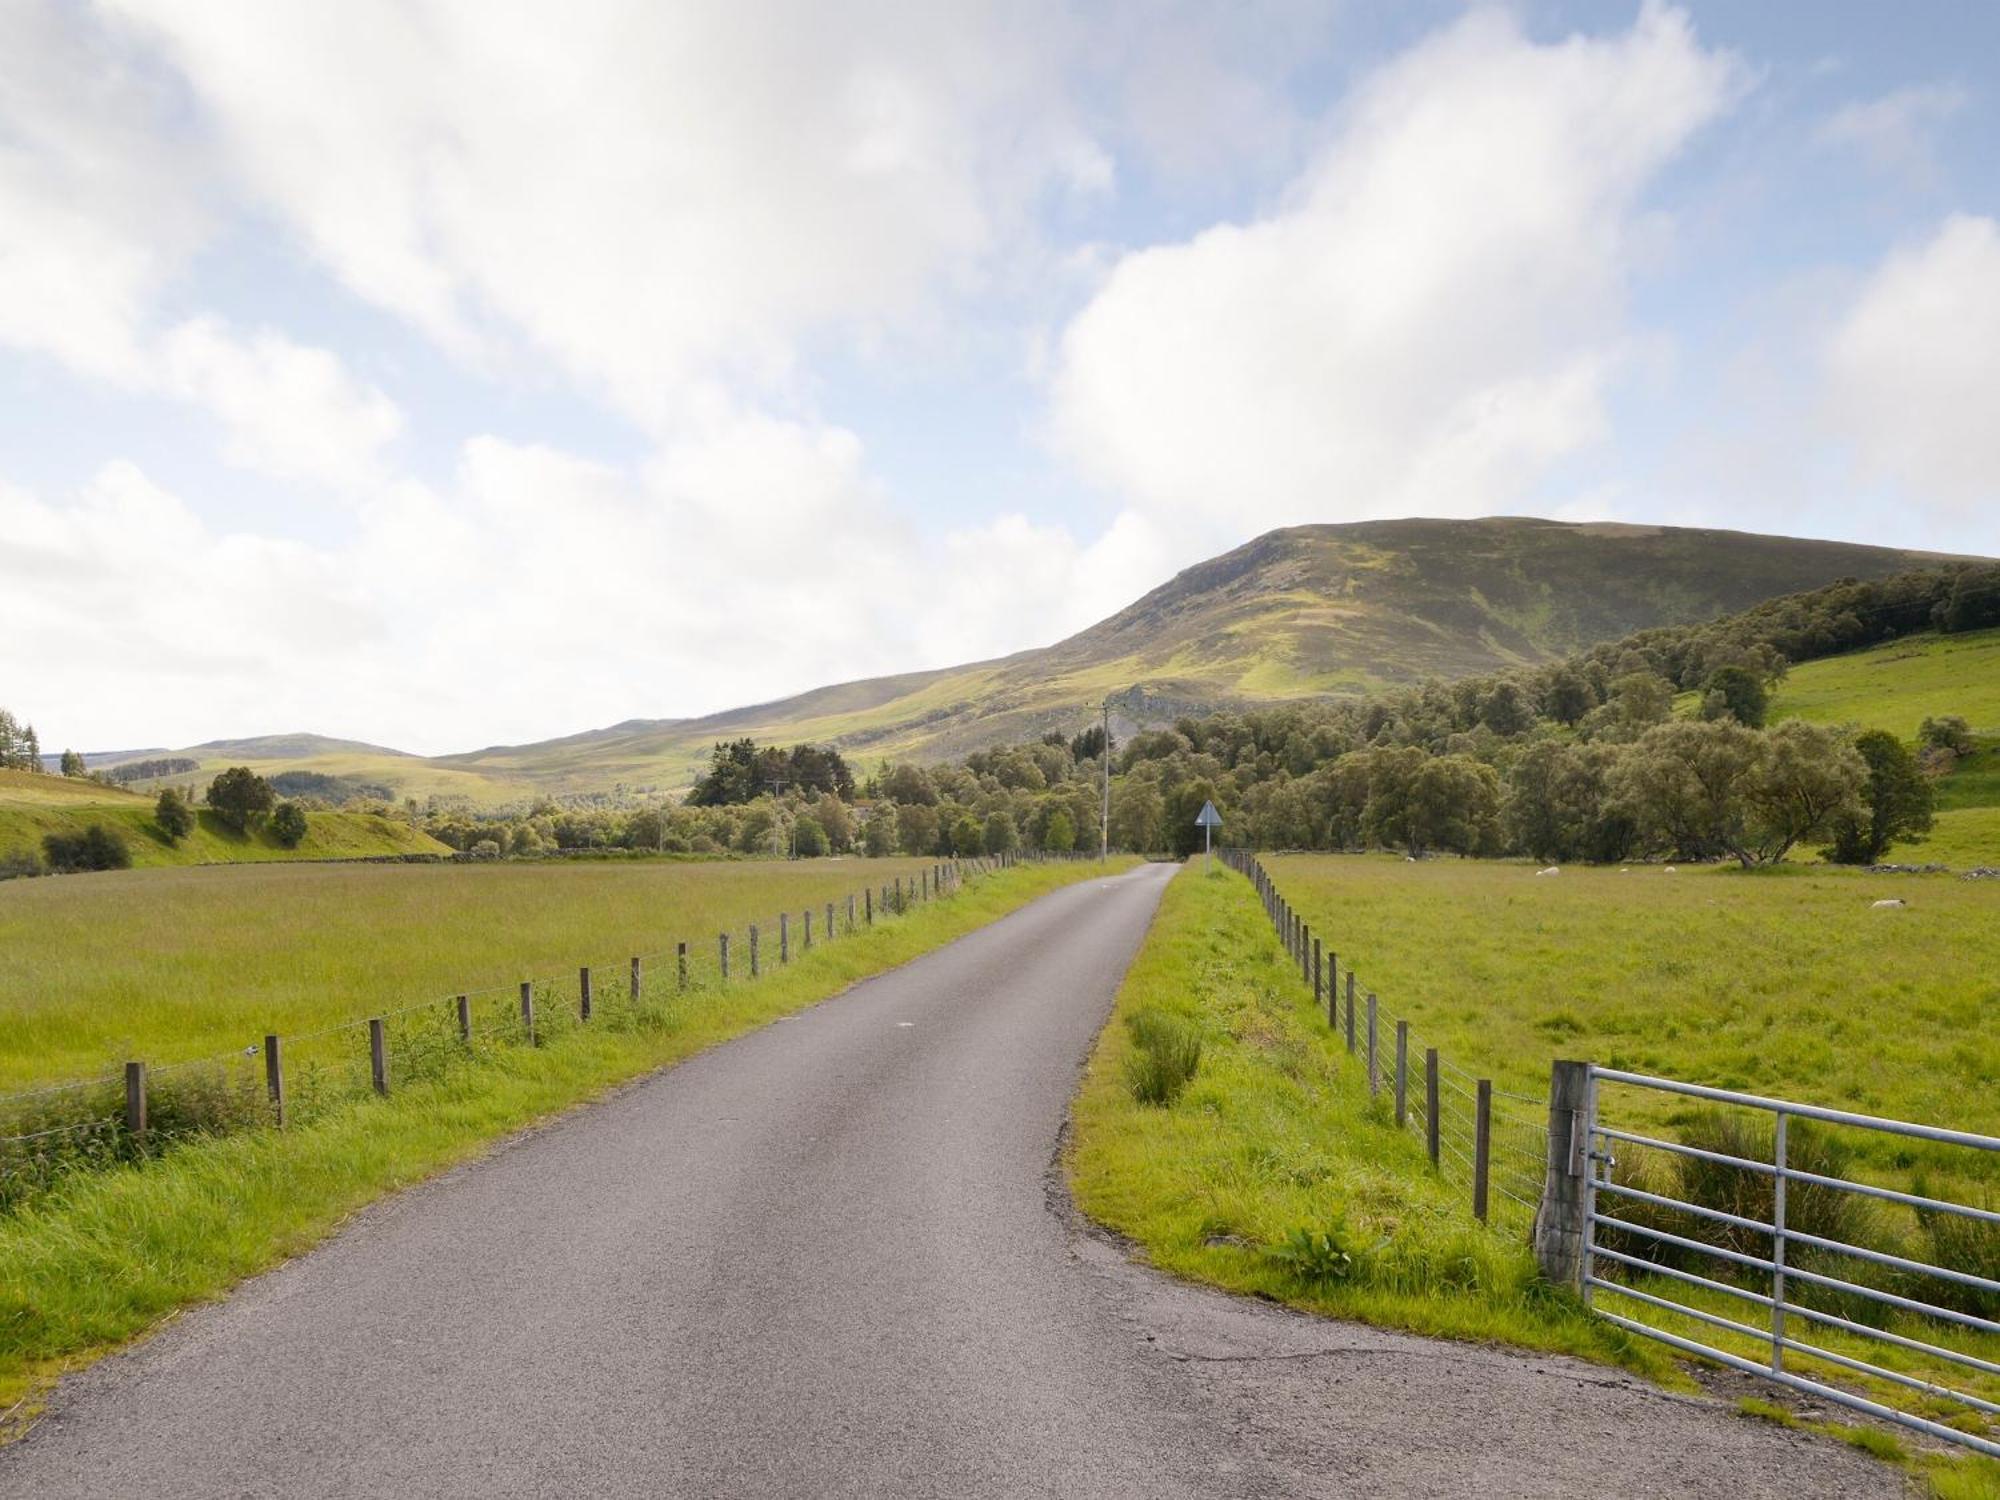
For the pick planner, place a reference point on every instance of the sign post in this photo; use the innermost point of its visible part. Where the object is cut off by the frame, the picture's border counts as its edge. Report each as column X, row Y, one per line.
column 1207, row 820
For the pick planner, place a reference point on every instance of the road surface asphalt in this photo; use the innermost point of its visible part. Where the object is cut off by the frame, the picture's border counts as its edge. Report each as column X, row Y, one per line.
column 834, row 1258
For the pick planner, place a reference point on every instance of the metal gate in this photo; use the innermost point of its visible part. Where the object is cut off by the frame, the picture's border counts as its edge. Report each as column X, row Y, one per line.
column 1903, row 1325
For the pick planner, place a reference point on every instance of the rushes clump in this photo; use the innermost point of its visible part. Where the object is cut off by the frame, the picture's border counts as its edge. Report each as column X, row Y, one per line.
column 1166, row 1053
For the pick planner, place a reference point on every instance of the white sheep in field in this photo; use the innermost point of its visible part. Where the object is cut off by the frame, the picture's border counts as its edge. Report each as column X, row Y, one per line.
column 1551, row 870
column 1891, row 904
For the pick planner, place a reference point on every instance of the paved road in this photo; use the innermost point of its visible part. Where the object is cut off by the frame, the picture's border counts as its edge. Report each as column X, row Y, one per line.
column 832, row 1259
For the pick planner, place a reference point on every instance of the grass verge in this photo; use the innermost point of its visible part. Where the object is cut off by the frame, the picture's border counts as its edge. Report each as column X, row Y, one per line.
column 1272, row 1172
column 104, row 1256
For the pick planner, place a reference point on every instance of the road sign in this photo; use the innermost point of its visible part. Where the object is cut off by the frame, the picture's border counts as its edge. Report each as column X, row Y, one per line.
column 1207, row 820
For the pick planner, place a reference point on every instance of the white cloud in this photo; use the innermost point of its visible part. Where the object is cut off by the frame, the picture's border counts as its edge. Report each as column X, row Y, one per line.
column 655, row 196
column 287, row 410
column 98, row 205
column 1894, row 133
column 1432, row 316
column 1913, row 366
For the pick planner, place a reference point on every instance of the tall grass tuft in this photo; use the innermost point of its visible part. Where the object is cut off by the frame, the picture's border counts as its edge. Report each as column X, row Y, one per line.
column 1166, row 1052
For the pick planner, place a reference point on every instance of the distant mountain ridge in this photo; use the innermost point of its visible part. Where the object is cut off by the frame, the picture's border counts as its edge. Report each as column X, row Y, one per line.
column 1298, row 612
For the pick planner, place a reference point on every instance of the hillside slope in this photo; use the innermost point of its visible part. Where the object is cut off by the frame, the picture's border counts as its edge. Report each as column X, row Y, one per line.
column 1307, row 610
column 1896, row 687
column 31, row 806
column 1310, row 609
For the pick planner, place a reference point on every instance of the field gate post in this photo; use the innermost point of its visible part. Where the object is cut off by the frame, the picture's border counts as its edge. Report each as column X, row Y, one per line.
column 1374, row 1056
column 135, row 1101
column 681, row 963
column 274, row 1078
column 1560, row 1217
column 1402, row 1074
column 1431, row 1103
column 583, row 993
column 464, row 1003
column 378, row 1056
column 528, row 1007
column 1482, row 1147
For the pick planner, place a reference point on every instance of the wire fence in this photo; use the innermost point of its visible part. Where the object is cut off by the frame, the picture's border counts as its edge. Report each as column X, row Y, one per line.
column 1491, row 1143
column 136, row 1114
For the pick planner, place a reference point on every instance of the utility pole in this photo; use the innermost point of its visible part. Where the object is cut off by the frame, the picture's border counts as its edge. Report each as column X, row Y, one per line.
column 1104, row 825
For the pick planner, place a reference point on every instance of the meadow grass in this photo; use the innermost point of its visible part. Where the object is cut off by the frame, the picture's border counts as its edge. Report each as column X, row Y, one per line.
column 1272, row 1173
column 171, row 964
column 1782, row 982
column 1964, row 838
column 104, row 1255
column 1897, row 685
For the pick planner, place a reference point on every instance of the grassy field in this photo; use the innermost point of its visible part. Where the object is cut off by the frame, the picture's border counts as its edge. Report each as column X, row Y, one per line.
column 165, row 965
column 106, row 1254
column 1275, row 1174
column 1784, row 982
column 1898, row 685
column 31, row 806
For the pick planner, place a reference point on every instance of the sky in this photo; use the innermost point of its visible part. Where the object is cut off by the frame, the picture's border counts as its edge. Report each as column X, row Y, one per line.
column 450, row 374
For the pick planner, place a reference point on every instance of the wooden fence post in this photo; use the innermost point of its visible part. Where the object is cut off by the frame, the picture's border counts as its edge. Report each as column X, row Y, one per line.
column 637, row 984
column 465, row 1018
column 378, row 1055
column 1305, row 956
column 1402, row 1074
column 583, row 993
column 755, row 959
column 1319, row 974
column 829, row 922
column 1431, row 1103
column 274, row 1078
column 850, row 911
column 723, row 950
column 1374, row 1058
column 1482, row 1146
column 869, row 896
column 1559, row 1220
column 681, row 963
column 135, row 1101
column 784, row 937
column 528, row 1007
column 1350, row 1012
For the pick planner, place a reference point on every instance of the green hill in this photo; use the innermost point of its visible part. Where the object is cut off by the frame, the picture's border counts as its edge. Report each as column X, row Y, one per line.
column 1896, row 687
column 1307, row 610
column 33, row 805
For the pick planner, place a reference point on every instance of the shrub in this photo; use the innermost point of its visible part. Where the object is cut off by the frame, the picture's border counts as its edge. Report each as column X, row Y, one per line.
column 1166, row 1053
column 238, row 794
column 96, row 848
column 288, row 824
column 17, row 863
column 172, row 813
column 1946, row 732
